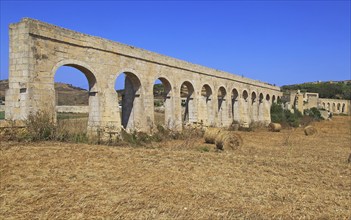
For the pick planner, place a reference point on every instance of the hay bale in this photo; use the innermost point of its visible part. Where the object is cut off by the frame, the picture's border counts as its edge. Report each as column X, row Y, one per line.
column 227, row 140
column 275, row 127
column 211, row 134
column 234, row 127
column 310, row 130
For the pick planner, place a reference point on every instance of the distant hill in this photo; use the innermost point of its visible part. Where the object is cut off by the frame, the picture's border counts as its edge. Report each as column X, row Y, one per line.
column 331, row 89
column 71, row 95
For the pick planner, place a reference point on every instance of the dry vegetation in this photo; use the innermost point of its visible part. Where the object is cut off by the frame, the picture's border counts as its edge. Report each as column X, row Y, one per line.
column 279, row 175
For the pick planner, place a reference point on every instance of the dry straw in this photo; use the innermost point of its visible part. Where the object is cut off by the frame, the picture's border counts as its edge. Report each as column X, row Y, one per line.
column 211, row 134
column 275, row 127
column 310, row 130
column 227, row 140
column 168, row 180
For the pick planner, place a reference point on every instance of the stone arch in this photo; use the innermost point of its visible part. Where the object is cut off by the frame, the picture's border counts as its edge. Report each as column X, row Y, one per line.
column 167, row 102
column 245, row 95
column 222, row 106
column 273, row 99
column 206, row 105
column 132, row 100
column 343, row 108
column 87, row 70
column 338, row 107
column 235, row 105
column 323, row 104
column 260, row 97
column 254, row 106
column 260, row 107
column 222, row 93
column 90, row 74
column 253, row 97
column 187, row 94
column 245, row 107
column 328, row 106
column 333, row 107
column 206, row 91
column 266, row 117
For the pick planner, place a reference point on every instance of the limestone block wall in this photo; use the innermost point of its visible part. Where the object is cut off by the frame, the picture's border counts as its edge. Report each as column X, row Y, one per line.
column 38, row 49
column 72, row 109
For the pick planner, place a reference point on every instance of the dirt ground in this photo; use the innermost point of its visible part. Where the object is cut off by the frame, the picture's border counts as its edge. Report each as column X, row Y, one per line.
column 284, row 175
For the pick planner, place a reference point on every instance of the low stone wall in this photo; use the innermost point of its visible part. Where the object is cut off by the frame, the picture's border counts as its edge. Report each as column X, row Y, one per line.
column 72, row 109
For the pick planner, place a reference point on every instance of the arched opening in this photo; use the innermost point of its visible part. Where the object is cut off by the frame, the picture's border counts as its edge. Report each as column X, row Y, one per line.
column 235, row 105
column 221, row 97
column 245, row 95
column 334, row 108
column 273, row 99
column 187, row 102
column 245, row 108
column 222, row 105
column 206, row 105
column 253, row 97
column 323, row 104
column 128, row 88
column 266, row 116
column 338, row 107
column 260, row 107
column 75, row 97
column 254, row 107
column 260, row 98
column 328, row 106
column 162, row 102
column 343, row 108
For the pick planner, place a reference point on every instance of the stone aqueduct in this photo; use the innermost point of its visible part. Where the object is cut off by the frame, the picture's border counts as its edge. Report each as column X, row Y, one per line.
column 336, row 106
column 214, row 97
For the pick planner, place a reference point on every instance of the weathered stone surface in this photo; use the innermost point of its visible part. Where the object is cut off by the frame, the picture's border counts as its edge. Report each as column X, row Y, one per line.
column 336, row 106
column 72, row 109
column 214, row 97
column 307, row 100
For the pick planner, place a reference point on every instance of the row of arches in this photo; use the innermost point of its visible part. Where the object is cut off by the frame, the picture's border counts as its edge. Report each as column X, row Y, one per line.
column 210, row 106
column 334, row 107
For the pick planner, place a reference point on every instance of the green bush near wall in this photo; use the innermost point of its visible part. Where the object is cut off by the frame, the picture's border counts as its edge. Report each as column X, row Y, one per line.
column 2, row 115
column 279, row 115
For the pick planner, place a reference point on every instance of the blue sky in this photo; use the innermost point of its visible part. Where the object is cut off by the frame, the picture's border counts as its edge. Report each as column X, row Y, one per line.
column 280, row 42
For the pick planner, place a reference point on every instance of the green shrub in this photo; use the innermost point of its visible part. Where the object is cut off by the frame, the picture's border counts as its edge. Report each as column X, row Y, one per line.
column 314, row 113
column 158, row 103
column 293, row 119
column 279, row 115
column 2, row 115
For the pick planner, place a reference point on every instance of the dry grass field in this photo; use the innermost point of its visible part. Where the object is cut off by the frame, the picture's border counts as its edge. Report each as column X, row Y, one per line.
column 284, row 175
